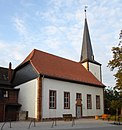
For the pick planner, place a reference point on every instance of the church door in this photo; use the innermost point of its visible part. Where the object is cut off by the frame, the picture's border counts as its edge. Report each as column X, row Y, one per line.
column 78, row 111
column 78, row 105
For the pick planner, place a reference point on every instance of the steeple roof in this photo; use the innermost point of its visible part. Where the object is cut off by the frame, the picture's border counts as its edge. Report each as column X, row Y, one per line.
column 87, row 52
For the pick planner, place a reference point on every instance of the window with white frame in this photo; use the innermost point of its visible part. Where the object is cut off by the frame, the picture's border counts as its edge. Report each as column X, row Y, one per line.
column 5, row 94
column 66, row 100
column 52, row 99
column 97, row 102
column 89, row 101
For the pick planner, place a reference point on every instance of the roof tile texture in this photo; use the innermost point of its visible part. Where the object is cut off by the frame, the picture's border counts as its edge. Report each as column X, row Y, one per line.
column 51, row 65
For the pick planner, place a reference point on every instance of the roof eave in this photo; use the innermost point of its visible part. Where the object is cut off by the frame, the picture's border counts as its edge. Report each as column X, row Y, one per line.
column 92, row 61
column 71, row 80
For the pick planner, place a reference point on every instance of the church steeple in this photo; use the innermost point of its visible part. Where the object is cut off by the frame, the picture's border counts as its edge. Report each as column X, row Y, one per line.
column 87, row 56
column 87, row 52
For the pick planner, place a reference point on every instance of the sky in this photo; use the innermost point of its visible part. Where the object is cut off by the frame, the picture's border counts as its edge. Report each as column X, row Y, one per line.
column 56, row 27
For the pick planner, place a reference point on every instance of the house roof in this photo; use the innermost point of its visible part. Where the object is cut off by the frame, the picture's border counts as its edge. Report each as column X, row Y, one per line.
column 4, row 81
column 3, row 74
column 54, row 66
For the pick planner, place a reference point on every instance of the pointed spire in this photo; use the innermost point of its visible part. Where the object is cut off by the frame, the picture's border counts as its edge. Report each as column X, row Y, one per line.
column 87, row 52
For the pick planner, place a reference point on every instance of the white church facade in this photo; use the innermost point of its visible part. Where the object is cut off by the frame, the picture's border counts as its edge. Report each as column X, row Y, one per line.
column 58, row 100
column 51, row 86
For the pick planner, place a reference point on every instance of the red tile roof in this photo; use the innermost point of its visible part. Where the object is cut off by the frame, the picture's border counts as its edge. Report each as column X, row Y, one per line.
column 54, row 66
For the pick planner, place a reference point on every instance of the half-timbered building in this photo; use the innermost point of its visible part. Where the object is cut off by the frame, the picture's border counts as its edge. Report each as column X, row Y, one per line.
column 9, row 105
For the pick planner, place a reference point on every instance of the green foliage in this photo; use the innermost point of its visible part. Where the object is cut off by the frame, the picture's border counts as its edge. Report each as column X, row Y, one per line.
column 116, row 64
column 112, row 101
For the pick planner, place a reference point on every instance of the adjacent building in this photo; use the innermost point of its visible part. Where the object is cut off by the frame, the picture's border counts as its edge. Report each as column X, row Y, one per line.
column 9, row 105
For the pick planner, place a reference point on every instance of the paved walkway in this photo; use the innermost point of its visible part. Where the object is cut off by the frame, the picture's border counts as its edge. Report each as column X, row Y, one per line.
column 60, row 125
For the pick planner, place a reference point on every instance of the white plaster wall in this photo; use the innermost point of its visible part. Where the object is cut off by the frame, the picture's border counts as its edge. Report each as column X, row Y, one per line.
column 73, row 88
column 96, row 70
column 28, row 97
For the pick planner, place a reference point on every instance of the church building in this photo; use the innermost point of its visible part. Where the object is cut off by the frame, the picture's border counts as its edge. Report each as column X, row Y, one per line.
column 51, row 86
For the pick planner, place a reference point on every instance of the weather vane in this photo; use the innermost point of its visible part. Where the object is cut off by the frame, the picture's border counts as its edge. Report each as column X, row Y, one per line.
column 85, row 10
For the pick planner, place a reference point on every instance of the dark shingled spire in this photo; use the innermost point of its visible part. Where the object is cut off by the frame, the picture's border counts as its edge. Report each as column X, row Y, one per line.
column 87, row 52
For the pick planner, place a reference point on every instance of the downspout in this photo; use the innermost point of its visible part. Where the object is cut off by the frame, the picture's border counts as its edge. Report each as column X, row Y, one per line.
column 39, row 98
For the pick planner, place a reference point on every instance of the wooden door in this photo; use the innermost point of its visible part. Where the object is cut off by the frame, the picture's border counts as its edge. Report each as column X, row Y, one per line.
column 1, row 112
column 11, row 113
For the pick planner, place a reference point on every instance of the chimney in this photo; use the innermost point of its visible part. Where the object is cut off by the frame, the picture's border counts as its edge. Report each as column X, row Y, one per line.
column 9, row 71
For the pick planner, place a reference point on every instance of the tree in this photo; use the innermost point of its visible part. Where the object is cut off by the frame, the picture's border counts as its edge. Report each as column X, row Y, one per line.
column 112, row 101
column 116, row 63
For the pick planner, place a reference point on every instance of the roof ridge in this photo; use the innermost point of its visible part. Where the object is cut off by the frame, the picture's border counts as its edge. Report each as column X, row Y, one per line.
column 55, row 56
column 33, row 52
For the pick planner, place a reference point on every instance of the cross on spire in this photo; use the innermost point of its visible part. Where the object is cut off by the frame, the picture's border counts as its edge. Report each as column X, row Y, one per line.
column 85, row 10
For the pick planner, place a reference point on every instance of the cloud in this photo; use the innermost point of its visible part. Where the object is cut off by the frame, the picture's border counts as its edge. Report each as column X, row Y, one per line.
column 51, row 30
column 26, row 3
column 56, row 4
column 2, row 45
column 53, row 44
column 20, row 26
column 56, row 26
column 11, row 52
